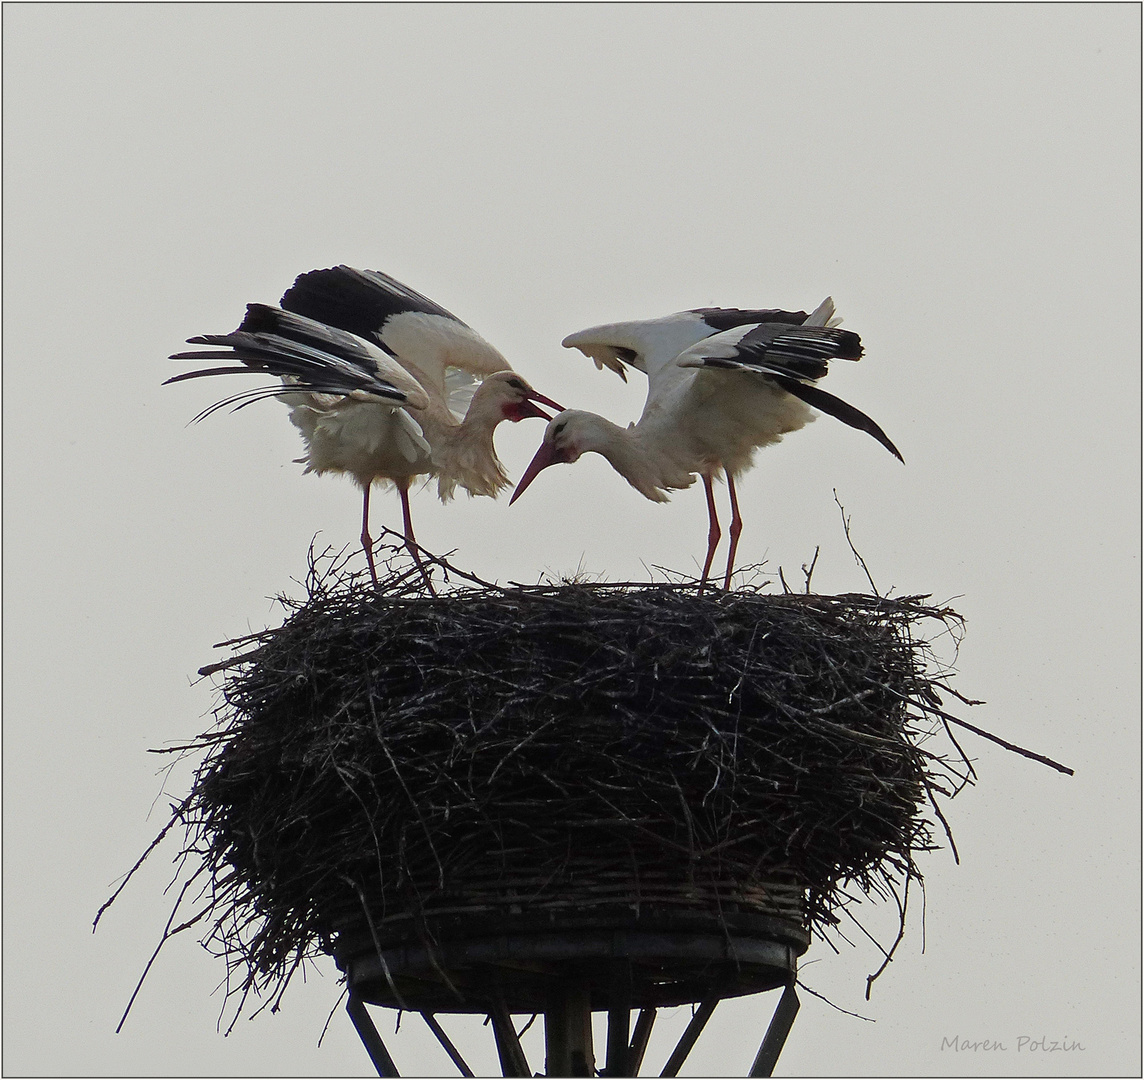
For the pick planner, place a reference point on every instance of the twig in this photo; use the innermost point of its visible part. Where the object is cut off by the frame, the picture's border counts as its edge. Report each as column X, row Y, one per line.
column 858, row 558
column 988, row 735
column 838, row 1008
column 175, row 818
column 808, row 572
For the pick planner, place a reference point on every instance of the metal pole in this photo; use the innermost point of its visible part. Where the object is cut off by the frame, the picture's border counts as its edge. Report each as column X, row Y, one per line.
column 447, row 1043
column 619, row 1019
column 568, row 1031
column 557, row 1034
column 369, row 1037
column 777, row 1033
column 687, row 1039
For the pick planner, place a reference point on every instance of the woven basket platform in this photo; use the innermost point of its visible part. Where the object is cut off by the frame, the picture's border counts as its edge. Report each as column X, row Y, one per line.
column 519, row 938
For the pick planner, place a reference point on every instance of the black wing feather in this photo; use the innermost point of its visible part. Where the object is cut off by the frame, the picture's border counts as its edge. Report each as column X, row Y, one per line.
column 284, row 356
column 837, row 408
column 204, row 372
column 728, row 318
column 804, row 351
column 317, row 358
column 801, row 352
column 360, row 301
column 262, row 319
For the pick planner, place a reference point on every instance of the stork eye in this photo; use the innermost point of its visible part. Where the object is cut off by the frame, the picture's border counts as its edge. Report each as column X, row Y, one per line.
column 516, row 384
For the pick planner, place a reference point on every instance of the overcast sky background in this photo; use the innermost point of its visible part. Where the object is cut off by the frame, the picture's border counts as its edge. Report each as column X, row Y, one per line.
column 963, row 180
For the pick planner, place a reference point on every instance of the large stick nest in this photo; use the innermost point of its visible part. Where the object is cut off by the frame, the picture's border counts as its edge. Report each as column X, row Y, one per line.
column 409, row 753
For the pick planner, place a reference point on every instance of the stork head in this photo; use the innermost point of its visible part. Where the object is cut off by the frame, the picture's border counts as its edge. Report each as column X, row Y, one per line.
column 567, row 436
column 506, row 396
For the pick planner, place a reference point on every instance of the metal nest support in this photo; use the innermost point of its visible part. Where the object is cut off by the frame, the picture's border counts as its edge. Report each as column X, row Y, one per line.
column 567, row 963
column 568, row 1035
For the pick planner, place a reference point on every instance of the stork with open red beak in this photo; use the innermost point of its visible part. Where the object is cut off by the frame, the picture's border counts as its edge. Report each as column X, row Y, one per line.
column 384, row 385
column 721, row 383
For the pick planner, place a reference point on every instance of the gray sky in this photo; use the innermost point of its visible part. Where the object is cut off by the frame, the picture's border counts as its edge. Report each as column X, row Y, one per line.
column 963, row 180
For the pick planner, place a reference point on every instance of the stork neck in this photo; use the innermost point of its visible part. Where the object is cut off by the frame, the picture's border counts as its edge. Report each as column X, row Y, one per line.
column 464, row 454
column 646, row 470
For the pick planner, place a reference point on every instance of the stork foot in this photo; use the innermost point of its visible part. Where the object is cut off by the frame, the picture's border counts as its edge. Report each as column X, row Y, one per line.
column 735, row 529
column 411, row 547
column 410, row 542
column 367, row 547
column 713, row 533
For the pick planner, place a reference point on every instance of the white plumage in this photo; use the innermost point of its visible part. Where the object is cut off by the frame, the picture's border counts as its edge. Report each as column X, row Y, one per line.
column 383, row 384
column 721, row 384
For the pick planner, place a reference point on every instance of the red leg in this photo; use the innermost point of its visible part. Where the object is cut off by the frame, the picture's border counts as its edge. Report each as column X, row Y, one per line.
column 713, row 532
column 410, row 542
column 736, row 528
column 366, row 539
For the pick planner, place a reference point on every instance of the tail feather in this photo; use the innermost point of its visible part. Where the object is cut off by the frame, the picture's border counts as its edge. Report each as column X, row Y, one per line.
column 823, row 315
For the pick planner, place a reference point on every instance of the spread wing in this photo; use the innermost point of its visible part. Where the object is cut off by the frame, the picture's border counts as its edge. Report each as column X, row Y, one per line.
column 793, row 357
column 420, row 334
column 650, row 345
column 306, row 355
column 360, row 301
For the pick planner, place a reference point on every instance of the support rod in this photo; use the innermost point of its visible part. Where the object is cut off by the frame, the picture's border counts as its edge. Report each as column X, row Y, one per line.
column 687, row 1039
column 369, row 1037
column 777, row 1033
column 639, row 1040
column 447, row 1043
column 512, row 1059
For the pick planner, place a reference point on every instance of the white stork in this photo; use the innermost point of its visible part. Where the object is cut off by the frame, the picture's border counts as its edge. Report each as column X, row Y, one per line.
column 721, row 383
column 382, row 383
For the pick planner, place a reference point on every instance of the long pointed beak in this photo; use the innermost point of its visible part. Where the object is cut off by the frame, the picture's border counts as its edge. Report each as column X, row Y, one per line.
column 545, row 456
column 521, row 410
column 536, row 395
column 526, row 409
column 529, row 406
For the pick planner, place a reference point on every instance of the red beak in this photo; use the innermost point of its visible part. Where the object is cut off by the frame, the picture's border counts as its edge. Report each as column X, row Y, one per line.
column 536, row 395
column 528, row 408
column 545, row 456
